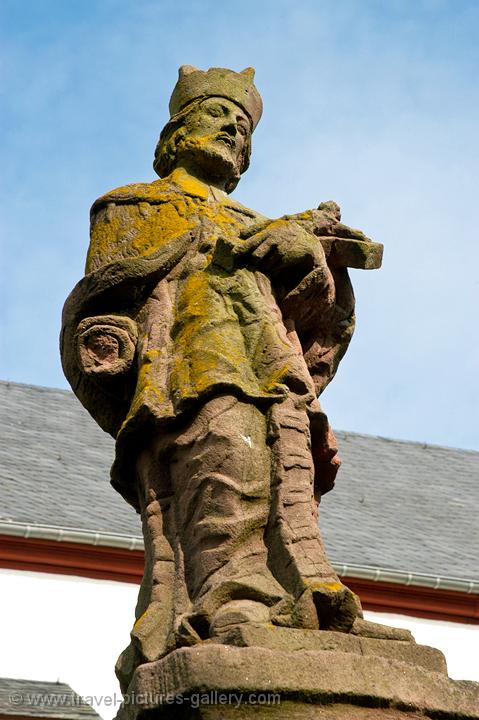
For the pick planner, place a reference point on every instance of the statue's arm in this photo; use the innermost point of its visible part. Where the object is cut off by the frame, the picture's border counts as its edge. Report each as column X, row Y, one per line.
column 317, row 302
column 325, row 344
column 294, row 261
column 99, row 328
column 307, row 257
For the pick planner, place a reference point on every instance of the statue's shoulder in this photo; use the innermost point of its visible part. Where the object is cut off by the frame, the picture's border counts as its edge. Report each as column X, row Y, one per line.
column 155, row 192
column 117, row 227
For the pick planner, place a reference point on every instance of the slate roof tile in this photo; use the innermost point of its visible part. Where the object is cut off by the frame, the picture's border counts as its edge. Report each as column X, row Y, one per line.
column 36, row 699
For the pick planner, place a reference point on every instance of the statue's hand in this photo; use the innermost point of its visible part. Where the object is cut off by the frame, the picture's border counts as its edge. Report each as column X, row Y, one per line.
column 326, row 222
column 283, row 250
column 343, row 246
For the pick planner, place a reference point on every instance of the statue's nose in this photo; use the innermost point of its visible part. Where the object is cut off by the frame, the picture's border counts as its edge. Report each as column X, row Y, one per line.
column 231, row 127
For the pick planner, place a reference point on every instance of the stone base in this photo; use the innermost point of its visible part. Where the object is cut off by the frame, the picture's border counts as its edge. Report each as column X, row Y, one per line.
column 290, row 710
column 297, row 674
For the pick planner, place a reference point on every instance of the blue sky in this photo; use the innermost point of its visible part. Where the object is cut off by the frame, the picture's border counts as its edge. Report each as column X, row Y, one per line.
column 372, row 104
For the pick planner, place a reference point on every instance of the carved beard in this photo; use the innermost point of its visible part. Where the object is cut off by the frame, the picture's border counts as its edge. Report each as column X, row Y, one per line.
column 216, row 159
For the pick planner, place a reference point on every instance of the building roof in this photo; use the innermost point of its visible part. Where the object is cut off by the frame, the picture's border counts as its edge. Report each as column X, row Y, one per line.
column 397, row 505
column 55, row 464
column 31, row 698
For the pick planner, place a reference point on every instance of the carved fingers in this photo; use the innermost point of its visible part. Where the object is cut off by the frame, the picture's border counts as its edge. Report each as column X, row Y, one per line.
column 343, row 246
column 278, row 248
column 326, row 220
column 284, row 246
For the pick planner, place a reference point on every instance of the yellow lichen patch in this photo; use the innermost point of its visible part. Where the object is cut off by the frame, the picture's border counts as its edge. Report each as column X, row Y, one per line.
column 164, row 223
column 218, row 215
column 208, row 340
column 197, row 142
column 329, row 586
column 141, row 620
column 121, row 231
column 146, row 376
column 193, row 294
column 306, row 215
column 105, row 228
column 276, row 378
column 277, row 223
column 189, row 184
column 147, row 383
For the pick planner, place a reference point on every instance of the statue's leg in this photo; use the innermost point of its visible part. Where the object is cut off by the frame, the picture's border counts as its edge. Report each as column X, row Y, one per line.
column 297, row 554
column 152, row 633
column 220, row 474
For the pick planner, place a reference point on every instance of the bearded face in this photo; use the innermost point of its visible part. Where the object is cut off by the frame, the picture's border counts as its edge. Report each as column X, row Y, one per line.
column 212, row 141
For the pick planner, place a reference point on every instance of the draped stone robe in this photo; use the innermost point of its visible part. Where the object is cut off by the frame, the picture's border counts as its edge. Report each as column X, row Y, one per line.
column 175, row 261
column 204, row 327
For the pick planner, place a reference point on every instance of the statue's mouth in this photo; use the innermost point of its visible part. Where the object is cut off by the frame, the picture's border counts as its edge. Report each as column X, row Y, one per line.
column 226, row 139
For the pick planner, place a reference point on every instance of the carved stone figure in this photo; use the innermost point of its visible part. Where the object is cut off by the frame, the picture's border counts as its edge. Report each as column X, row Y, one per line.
column 200, row 338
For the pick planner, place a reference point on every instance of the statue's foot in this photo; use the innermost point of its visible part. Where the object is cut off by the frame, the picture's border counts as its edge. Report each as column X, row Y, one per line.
column 365, row 628
column 324, row 605
column 336, row 605
column 189, row 631
column 299, row 613
column 236, row 612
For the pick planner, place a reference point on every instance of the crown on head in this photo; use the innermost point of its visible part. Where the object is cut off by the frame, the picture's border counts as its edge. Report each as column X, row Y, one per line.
column 194, row 84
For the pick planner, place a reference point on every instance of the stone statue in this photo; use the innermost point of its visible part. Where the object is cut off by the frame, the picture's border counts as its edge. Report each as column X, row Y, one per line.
column 200, row 338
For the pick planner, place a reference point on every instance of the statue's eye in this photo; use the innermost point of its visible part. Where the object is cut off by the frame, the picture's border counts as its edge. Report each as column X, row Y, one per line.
column 214, row 111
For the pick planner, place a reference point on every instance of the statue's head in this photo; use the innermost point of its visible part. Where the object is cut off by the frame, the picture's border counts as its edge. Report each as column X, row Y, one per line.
column 213, row 115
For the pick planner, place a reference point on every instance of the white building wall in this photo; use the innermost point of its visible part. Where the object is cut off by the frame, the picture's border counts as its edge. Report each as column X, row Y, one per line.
column 55, row 627
column 58, row 627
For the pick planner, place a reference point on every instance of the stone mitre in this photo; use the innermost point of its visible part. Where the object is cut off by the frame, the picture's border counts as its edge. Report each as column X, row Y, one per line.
column 194, row 84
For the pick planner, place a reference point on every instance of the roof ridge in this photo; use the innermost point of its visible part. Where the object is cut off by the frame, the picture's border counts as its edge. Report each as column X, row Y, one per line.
column 41, row 388
column 402, row 441
column 354, row 433
column 36, row 682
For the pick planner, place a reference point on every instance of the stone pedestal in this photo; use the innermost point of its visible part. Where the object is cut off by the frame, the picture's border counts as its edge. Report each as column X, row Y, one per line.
column 286, row 674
